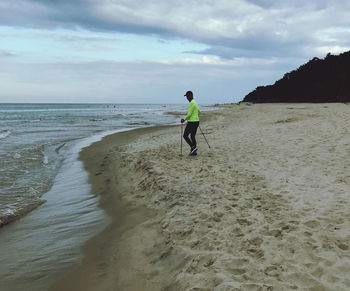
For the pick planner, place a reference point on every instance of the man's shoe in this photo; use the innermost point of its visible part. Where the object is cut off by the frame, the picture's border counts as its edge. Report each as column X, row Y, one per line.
column 193, row 150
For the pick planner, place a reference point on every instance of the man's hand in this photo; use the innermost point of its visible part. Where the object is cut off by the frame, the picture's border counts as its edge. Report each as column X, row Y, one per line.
column 182, row 120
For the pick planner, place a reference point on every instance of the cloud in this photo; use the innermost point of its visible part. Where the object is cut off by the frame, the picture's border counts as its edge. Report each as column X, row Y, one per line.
column 147, row 82
column 6, row 54
column 231, row 28
column 245, row 43
column 268, row 4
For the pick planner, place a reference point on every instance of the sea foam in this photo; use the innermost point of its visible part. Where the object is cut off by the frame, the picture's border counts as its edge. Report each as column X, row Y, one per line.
column 4, row 134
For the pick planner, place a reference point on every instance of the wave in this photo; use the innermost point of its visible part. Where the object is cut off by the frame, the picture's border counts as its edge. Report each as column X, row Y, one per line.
column 176, row 113
column 8, row 215
column 4, row 134
column 41, row 131
column 142, row 123
column 29, row 174
column 57, row 150
column 45, row 160
column 17, row 156
column 97, row 119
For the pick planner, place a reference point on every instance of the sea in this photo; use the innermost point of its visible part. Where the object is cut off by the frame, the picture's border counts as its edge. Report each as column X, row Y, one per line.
column 47, row 210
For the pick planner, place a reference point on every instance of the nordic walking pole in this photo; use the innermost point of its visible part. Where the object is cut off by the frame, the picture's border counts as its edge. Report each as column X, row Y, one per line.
column 204, row 136
column 182, row 125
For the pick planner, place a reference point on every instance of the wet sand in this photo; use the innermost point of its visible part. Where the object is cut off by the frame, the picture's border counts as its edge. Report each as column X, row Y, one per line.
column 267, row 207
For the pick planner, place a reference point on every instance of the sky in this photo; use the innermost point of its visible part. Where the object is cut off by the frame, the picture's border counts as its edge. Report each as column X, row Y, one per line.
column 133, row 51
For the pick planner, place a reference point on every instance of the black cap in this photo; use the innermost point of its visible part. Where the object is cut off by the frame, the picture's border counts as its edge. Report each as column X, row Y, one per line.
column 188, row 93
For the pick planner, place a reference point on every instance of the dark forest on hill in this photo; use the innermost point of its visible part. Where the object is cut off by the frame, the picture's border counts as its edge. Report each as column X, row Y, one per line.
column 319, row 80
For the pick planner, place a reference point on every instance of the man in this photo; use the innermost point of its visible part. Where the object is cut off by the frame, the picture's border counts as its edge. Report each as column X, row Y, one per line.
column 192, row 119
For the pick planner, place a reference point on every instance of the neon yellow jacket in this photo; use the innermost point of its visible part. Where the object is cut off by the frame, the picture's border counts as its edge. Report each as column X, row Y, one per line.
column 193, row 112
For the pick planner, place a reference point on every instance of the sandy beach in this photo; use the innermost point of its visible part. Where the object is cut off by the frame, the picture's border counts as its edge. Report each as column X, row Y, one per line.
column 266, row 208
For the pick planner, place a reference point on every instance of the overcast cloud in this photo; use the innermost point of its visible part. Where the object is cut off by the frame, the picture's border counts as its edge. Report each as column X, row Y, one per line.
column 248, row 42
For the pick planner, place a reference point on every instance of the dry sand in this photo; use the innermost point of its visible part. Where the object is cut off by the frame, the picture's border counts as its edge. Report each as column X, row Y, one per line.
column 267, row 208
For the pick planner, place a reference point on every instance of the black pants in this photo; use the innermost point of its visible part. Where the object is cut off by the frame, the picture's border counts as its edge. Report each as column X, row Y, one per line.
column 191, row 129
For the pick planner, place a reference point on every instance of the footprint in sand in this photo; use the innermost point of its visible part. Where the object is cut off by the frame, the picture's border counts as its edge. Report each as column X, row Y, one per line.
column 252, row 286
column 256, row 253
column 303, row 279
column 341, row 245
column 257, row 241
column 243, row 221
column 238, row 271
column 273, row 271
column 238, row 232
column 217, row 216
column 312, row 224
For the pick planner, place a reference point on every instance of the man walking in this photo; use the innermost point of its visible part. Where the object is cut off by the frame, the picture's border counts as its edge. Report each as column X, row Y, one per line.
column 192, row 119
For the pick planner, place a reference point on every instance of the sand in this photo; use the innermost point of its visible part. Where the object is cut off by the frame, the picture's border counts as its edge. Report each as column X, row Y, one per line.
column 266, row 208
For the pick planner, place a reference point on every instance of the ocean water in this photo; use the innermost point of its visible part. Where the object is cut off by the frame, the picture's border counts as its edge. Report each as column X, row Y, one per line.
column 35, row 139
column 43, row 183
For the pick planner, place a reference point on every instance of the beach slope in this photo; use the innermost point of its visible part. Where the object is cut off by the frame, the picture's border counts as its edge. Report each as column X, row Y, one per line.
column 267, row 207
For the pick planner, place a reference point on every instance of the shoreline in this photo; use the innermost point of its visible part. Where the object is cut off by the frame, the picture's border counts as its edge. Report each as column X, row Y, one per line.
column 265, row 208
column 124, row 216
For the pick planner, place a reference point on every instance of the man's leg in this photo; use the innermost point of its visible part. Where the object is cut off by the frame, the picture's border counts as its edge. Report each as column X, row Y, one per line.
column 187, row 132
column 193, row 134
